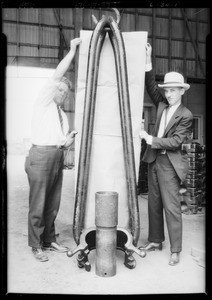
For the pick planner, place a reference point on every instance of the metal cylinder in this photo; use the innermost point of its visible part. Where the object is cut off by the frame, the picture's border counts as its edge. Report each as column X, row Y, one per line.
column 106, row 221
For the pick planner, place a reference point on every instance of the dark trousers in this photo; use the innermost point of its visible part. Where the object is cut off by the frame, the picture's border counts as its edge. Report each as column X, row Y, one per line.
column 44, row 168
column 163, row 196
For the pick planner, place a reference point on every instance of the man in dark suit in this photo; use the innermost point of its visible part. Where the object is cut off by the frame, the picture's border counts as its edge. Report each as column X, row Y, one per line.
column 167, row 164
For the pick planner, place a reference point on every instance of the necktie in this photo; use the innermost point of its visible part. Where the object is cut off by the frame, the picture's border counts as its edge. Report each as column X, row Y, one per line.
column 60, row 117
column 166, row 113
column 163, row 123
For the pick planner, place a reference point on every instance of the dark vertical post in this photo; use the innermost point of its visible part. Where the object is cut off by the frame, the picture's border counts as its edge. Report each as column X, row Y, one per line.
column 154, row 40
column 170, row 41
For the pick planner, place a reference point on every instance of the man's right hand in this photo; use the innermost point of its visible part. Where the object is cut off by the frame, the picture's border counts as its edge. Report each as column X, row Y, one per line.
column 73, row 133
column 74, row 43
column 70, row 138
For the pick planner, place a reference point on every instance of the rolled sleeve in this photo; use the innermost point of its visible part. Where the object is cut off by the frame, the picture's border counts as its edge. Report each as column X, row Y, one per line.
column 149, row 139
column 148, row 67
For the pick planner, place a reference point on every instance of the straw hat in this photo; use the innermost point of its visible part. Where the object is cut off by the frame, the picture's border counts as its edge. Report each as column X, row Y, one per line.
column 174, row 79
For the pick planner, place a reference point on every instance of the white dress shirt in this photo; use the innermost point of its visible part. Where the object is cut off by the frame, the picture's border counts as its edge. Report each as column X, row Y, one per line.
column 46, row 128
column 165, row 118
column 148, row 67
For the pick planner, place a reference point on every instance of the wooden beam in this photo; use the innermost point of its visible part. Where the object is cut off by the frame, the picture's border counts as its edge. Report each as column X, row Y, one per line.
column 56, row 47
column 136, row 19
column 170, row 39
column 17, row 31
column 78, row 13
column 39, row 29
column 184, row 51
column 192, row 40
column 60, row 27
column 36, row 24
column 153, row 39
column 197, row 38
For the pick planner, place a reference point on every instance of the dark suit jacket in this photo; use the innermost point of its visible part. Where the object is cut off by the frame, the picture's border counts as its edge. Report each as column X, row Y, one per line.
column 177, row 131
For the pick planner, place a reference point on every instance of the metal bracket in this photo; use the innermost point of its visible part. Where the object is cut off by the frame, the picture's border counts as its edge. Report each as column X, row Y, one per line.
column 88, row 243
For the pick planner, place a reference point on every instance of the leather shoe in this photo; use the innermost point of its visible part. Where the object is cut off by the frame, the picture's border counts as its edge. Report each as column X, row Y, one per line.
column 39, row 255
column 151, row 247
column 55, row 247
column 174, row 259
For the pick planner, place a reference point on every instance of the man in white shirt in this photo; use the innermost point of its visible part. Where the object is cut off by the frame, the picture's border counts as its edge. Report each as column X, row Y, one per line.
column 44, row 165
column 167, row 164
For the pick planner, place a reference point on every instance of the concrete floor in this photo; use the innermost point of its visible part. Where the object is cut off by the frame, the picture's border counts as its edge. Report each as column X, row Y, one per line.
column 61, row 275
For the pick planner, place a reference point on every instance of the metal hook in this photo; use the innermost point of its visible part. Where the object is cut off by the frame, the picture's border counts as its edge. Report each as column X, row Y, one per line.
column 94, row 19
column 118, row 17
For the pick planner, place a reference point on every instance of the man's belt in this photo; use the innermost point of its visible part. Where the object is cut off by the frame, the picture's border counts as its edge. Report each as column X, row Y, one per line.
column 48, row 147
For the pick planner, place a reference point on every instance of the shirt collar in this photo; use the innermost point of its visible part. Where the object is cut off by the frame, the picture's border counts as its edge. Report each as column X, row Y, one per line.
column 175, row 106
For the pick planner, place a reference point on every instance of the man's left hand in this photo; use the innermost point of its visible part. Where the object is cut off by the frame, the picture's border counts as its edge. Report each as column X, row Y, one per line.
column 70, row 138
column 73, row 133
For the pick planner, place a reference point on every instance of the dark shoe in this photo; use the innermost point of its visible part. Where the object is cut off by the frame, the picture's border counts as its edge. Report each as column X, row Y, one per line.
column 174, row 259
column 39, row 255
column 129, row 261
column 151, row 247
column 55, row 247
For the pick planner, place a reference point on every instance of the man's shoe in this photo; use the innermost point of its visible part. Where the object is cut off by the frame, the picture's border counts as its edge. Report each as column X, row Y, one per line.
column 151, row 247
column 174, row 259
column 39, row 255
column 55, row 247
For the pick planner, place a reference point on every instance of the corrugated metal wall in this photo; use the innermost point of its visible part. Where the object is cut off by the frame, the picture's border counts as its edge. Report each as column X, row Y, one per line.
column 36, row 32
column 41, row 37
column 178, row 35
